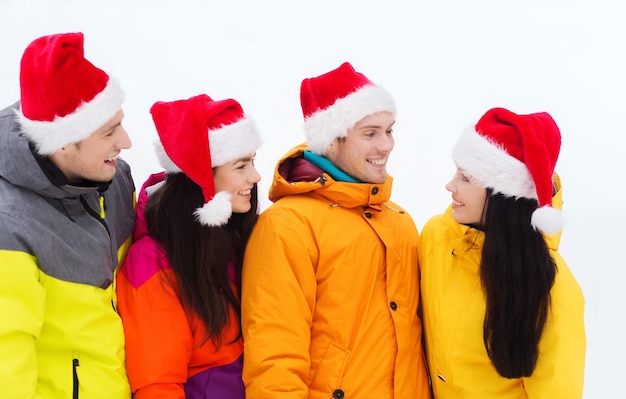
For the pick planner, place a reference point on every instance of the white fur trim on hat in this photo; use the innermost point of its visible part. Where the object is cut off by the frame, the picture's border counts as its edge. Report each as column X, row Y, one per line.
column 50, row 136
column 547, row 220
column 165, row 161
column 492, row 166
column 326, row 125
column 227, row 144
column 215, row 212
column 233, row 141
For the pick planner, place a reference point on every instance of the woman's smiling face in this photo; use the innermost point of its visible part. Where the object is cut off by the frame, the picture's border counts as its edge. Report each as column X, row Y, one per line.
column 237, row 178
column 468, row 198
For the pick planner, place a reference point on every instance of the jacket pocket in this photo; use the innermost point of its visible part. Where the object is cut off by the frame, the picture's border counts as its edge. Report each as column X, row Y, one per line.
column 331, row 368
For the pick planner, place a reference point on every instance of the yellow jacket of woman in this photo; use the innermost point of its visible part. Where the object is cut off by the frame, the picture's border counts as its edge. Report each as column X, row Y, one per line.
column 330, row 294
column 454, row 309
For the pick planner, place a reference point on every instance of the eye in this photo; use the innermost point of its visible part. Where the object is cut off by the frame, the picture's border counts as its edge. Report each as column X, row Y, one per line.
column 389, row 132
column 244, row 164
column 112, row 130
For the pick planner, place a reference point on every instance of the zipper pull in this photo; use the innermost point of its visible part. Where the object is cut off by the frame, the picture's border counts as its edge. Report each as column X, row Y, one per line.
column 101, row 206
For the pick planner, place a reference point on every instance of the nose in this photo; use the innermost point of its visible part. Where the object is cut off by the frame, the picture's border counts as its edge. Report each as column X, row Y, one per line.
column 450, row 186
column 386, row 143
column 123, row 141
column 255, row 176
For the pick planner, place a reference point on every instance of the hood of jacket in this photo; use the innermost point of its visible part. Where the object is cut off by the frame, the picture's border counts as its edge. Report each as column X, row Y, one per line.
column 554, row 240
column 19, row 166
column 294, row 175
column 153, row 182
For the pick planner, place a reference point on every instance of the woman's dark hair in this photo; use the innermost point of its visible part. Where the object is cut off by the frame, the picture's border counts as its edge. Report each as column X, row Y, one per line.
column 517, row 274
column 200, row 255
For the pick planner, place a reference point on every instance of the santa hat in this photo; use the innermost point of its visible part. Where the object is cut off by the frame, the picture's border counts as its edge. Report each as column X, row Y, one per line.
column 515, row 155
column 335, row 101
column 199, row 134
column 64, row 97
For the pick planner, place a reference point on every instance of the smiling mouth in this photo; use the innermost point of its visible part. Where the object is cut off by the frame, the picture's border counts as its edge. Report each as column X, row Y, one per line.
column 245, row 192
column 110, row 160
column 379, row 162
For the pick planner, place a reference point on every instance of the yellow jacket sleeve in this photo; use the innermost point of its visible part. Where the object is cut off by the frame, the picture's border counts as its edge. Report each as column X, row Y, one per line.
column 22, row 308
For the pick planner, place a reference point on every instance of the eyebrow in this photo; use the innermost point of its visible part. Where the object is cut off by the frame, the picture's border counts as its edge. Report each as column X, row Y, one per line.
column 108, row 128
column 244, row 159
column 376, row 126
column 112, row 127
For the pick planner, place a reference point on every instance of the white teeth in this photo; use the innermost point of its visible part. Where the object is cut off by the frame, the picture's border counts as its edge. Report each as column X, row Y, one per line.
column 377, row 161
column 457, row 203
column 245, row 192
column 110, row 159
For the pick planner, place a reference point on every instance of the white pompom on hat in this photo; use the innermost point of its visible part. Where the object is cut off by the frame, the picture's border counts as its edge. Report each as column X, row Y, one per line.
column 515, row 155
column 334, row 102
column 64, row 97
column 199, row 134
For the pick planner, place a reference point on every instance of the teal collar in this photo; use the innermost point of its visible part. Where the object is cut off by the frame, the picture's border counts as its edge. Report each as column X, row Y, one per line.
column 328, row 167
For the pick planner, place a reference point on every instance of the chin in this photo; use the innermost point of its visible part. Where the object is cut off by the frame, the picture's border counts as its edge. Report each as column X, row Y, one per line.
column 103, row 178
column 379, row 181
column 241, row 209
column 457, row 218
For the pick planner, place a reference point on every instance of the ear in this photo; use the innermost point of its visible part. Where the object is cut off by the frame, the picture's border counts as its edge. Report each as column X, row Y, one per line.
column 64, row 150
column 61, row 151
column 332, row 148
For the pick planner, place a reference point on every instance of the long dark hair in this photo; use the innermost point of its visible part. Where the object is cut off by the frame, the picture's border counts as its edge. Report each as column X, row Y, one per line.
column 200, row 255
column 517, row 274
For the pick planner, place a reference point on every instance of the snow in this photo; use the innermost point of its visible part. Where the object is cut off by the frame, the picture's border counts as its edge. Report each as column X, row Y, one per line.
column 445, row 61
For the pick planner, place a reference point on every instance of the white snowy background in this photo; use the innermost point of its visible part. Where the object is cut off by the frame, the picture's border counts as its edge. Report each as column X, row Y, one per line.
column 445, row 61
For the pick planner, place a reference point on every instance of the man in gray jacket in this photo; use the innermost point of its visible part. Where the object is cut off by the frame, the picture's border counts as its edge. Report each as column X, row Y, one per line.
column 66, row 219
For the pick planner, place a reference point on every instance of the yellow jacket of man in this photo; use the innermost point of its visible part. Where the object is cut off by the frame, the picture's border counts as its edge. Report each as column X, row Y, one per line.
column 330, row 293
column 60, row 246
column 454, row 309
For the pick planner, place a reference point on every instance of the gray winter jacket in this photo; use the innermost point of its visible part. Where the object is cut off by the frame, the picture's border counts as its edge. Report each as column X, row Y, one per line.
column 60, row 334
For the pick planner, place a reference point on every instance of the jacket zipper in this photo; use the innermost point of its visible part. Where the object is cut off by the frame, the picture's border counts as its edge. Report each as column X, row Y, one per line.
column 94, row 214
column 75, row 364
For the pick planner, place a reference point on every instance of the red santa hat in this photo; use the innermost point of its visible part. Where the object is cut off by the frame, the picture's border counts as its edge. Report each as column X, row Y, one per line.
column 64, row 97
column 199, row 134
column 335, row 101
column 515, row 155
